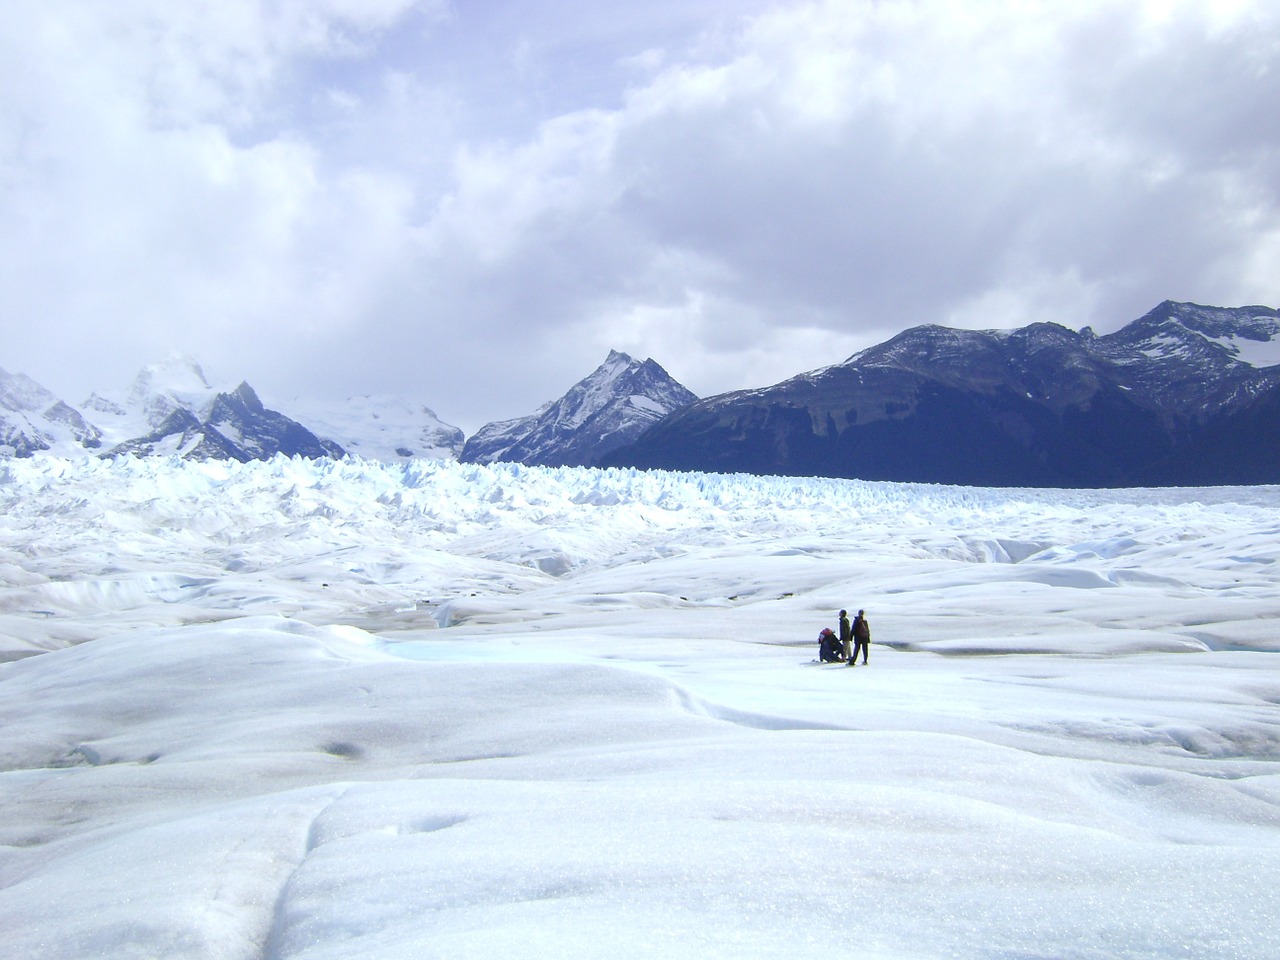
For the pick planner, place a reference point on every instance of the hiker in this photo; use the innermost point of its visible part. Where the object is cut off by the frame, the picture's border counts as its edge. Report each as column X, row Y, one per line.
column 828, row 646
column 861, row 638
column 846, row 635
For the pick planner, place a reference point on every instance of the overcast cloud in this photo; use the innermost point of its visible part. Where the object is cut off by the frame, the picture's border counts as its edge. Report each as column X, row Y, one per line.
column 470, row 203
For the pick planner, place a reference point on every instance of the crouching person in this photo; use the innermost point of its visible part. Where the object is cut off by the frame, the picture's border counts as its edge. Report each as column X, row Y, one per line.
column 829, row 650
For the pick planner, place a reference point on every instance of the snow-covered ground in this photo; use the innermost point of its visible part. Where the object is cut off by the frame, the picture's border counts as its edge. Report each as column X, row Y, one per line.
column 302, row 709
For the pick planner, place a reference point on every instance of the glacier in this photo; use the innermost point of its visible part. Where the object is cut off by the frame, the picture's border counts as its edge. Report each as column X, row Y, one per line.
column 301, row 709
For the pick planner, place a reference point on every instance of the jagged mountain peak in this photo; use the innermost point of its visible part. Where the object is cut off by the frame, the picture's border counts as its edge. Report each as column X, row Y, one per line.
column 173, row 408
column 177, row 382
column 1205, row 334
column 608, row 408
column 18, row 392
column 1176, row 348
column 620, row 377
column 1248, row 334
column 177, row 374
column 617, row 359
column 248, row 397
column 34, row 419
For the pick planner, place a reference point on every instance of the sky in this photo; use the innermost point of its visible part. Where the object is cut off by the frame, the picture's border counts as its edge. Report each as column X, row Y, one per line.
column 470, row 204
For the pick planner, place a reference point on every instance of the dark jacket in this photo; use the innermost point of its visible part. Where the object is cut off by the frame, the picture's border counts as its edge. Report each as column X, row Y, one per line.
column 861, row 630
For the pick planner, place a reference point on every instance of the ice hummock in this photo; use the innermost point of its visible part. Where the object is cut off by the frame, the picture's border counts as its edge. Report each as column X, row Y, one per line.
column 308, row 709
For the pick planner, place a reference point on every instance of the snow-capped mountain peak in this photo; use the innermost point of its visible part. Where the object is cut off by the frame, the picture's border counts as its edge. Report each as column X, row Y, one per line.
column 159, row 390
column 173, row 408
column 605, row 410
column 178, row 373
column 33, row 419
column 20, row 392
column 595, row 392
column 177, row 382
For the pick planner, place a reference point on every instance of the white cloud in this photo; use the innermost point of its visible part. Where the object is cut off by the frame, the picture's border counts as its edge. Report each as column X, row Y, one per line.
column 831, row 169
column 139, row 219
column 879, row 165
column 357, row 189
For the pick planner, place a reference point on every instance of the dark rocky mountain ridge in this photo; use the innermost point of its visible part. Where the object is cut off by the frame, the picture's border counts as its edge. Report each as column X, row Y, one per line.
column 1186, row 395
column 1173, row 397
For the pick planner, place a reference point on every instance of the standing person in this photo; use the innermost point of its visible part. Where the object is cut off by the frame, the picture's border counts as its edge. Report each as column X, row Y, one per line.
column 846, row 636
column 861, row 638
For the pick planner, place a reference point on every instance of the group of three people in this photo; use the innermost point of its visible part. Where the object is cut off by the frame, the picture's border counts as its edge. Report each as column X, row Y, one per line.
column 853, row 637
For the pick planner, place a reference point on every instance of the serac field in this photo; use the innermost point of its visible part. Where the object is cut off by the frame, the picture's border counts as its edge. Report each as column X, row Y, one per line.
column 295, row 710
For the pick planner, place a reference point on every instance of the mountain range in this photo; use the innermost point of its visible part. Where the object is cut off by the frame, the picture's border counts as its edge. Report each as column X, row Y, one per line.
column 171, row 409
column 1185, row 395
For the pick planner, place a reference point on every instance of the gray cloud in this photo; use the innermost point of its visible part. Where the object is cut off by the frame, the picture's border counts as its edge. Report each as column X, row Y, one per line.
column 470, row 205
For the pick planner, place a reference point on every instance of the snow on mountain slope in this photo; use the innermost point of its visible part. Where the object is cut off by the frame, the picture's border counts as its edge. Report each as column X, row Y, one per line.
column 1256, row 353
column 177, row 382
column 605, row 410
column 33, row 420
column 172, row 410
column 377, row 427
column 1248, row 335
column 19, row 393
